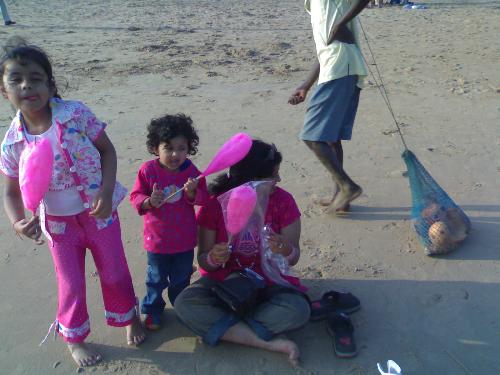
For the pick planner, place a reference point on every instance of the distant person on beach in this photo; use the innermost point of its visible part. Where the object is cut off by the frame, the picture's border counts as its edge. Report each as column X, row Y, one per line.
column 169, row 224
column 5, row 14
column 79, row 209
column 333, row 105
column 377, row 3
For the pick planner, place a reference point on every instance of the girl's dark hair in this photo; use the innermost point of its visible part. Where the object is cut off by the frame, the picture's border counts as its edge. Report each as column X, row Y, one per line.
column 163, row 129
column 260, row 163
column 16, row 48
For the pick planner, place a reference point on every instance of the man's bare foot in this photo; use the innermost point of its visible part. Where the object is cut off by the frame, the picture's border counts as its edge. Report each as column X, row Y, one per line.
column 325, row 201
column 339, row 211
column 345, row 197
column 135, row 332
column 83, row 355
column 287, row 347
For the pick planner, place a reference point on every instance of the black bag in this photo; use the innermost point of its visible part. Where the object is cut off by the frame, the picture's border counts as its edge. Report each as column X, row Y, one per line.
column 240, row 290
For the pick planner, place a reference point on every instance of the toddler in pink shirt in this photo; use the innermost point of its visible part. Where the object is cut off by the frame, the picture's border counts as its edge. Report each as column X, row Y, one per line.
column 169, row 220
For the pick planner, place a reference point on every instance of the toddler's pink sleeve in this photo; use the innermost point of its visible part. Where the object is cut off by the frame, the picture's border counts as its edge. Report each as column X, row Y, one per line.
column 202, row 195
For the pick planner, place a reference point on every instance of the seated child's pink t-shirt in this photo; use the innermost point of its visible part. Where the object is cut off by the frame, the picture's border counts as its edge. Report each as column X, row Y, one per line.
column 281, row 212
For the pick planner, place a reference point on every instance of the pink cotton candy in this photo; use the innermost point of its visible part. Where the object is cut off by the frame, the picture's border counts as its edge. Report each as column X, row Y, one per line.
column 35, row 172
column 240, row 207
column 231, row 152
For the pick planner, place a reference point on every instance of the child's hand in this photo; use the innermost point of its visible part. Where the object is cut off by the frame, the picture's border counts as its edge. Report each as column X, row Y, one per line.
column 190, row 188
column 102, row 205
column 278, row 244
column 29, row 228
column 220, row 253
column 157, row 197
column 298, row 96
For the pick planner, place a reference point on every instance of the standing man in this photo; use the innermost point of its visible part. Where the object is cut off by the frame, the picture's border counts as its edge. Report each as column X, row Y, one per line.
column 331, row 110
column 5, row 14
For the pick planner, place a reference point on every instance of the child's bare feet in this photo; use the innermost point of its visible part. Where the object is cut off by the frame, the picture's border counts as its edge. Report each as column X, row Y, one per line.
column 135, row 332
column 345, row 197
column 83, row 355
column 287, row 347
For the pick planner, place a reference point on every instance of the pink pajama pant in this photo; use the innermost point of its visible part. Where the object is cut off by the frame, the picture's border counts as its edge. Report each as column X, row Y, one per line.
column 72, row 236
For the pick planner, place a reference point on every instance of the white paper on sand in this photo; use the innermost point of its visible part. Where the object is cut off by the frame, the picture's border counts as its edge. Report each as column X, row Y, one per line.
column 392, row 368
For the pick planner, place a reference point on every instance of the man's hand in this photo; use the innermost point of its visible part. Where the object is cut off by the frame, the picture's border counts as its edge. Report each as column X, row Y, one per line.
column 341, row 34
column 298, row 96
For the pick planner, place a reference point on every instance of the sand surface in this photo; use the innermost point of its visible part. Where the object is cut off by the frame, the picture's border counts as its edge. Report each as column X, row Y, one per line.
column 231, row 65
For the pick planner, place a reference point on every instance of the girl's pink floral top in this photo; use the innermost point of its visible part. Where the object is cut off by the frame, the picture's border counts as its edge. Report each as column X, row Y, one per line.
column 77, row 129
column 282, row 211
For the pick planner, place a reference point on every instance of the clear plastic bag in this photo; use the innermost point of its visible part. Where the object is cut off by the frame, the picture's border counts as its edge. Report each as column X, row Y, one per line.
column 250, row 238
column 274, row 265
column 246, row 238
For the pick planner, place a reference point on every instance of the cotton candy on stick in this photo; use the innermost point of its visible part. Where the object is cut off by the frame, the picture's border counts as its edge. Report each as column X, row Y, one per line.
column 230, row 153
column 240, row 207
column 35, row 172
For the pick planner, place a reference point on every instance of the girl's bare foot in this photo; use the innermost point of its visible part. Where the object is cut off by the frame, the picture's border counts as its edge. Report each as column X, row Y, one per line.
column 135, row 332
column 83, row 355
column 287, row 347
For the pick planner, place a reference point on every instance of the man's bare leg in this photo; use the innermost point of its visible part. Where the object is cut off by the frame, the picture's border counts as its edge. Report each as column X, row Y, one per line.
column 348, row 190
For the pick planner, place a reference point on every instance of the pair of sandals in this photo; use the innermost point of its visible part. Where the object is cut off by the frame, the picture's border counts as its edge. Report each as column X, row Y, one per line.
column 334, row 307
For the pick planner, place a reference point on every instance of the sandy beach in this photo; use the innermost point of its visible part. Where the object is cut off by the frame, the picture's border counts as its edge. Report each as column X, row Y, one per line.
column 231, row 66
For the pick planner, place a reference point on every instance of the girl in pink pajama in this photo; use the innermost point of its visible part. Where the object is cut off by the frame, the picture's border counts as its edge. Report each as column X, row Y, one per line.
column 78, row 211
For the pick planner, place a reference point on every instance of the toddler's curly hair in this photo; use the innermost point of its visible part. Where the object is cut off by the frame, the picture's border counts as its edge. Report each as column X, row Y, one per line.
column 163, row 129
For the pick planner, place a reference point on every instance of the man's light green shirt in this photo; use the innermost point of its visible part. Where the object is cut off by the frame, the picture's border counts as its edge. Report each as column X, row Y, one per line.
column 337, row 59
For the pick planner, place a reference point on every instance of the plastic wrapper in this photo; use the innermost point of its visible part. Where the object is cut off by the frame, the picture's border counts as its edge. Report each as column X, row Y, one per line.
column 244, row 217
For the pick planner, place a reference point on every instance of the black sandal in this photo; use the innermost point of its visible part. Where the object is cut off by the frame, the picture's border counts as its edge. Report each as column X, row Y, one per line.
column 334, row 301
column 341, row 329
